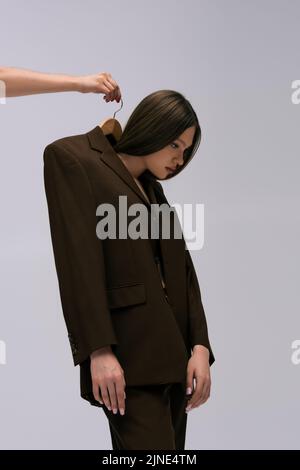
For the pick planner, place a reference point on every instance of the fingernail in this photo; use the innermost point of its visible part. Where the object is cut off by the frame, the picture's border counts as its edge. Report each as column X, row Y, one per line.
column 188, row 408
column 115, row 411
column 121, row 411
column 109, row 408
column 188, row 391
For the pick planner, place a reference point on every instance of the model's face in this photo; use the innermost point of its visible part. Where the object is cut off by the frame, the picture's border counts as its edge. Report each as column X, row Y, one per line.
column 162, row 163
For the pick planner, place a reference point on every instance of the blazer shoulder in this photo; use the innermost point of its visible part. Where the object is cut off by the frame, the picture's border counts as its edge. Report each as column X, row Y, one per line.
column 70, row 142
column 68, row 149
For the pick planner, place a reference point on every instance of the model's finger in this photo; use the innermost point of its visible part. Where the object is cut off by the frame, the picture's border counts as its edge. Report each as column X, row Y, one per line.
column 120, row 395
column 189, row 382
column 105, row 396
column 197, row 393
column 100, row 398
column 96, row 391
column 112, row 396
column 205, row 393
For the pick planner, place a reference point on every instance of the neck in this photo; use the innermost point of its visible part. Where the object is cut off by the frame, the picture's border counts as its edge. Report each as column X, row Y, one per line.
column 134, row 165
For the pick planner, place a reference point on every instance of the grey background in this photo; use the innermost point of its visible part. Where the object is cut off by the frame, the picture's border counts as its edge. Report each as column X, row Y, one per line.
column 235, row 61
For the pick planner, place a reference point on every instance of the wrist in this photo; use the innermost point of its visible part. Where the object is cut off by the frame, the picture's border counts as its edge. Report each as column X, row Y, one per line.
column 200, row 349
column 98, row 352
column 75, row 83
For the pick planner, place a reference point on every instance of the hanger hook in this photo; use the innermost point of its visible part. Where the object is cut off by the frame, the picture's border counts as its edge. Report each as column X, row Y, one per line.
column 119, row 108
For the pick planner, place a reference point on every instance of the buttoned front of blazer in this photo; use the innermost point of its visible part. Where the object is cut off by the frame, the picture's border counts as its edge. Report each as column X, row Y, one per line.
column 110, row 289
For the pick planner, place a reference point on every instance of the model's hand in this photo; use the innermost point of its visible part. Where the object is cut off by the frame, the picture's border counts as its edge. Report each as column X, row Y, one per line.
column 100, row 83
column 198, row 370
column 108, row 375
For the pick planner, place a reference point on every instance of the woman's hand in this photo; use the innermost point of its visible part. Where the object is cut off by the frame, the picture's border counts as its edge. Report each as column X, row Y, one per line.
column 21, row 82
column 198, row 370
column 108, row 374
column 100, row 83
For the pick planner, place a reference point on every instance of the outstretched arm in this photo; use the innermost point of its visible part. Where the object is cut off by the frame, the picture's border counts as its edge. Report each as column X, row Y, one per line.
column 20, row 82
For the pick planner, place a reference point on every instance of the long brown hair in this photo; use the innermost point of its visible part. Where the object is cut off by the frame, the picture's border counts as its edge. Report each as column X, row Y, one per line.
column 158, row 120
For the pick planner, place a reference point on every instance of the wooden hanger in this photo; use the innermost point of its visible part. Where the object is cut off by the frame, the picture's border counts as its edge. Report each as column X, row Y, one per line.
column 112, row 128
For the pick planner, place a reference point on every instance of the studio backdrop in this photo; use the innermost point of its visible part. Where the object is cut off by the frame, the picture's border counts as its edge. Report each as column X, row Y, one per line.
column 237, row 62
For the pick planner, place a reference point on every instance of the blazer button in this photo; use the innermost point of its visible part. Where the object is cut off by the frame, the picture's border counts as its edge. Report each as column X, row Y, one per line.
column 73, row 344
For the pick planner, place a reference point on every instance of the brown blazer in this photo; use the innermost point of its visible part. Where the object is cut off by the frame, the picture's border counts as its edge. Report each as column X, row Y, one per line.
column 110, row 290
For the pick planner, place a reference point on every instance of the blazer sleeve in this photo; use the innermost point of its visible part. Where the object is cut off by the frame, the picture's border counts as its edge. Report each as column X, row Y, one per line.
column 197, row 320
column 78, row 253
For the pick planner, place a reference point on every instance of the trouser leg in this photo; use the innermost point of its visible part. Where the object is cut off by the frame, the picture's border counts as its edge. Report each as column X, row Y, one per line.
column 116, row 444
column 153, row 419
column 178, row 402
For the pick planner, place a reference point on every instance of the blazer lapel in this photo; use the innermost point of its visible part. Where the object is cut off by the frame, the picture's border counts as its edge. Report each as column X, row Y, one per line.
column 98, row 141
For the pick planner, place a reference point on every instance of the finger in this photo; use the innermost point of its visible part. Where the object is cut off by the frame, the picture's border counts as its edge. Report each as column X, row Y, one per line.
column 107, row 92
column 200, row 382
column 118, row 97
column 189, row 382
column 198, row 392
column 107, row 95
column 112, row 396
column 112, row 81
column 115, row 87
column 96, row 391
column 108, row 84
column 117, row 94
column 105, row 396
column 100, row 398
column 120, row 395
column 106, row 89
column 110, row 88
column 113, row 95
column 205, row 394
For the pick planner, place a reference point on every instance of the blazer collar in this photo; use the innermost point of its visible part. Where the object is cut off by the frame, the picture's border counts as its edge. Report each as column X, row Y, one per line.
column 98, row 141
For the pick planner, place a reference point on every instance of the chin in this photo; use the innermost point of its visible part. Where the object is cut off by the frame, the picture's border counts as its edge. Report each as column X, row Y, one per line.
column 161, row 174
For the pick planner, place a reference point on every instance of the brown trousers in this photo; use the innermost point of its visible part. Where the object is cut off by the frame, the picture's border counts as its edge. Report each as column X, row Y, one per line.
column 154, row 419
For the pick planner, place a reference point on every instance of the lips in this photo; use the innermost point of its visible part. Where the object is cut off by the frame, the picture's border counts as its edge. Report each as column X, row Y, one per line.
column 170, row 169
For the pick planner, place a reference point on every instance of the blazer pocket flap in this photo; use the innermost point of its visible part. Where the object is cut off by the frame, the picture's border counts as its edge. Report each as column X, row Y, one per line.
column 126, row 295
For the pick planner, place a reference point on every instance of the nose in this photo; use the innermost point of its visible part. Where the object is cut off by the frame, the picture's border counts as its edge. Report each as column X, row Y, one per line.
column 179, row 163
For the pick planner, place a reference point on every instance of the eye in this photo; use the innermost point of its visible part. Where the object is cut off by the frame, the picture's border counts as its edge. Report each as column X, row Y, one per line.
column 174, row 143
